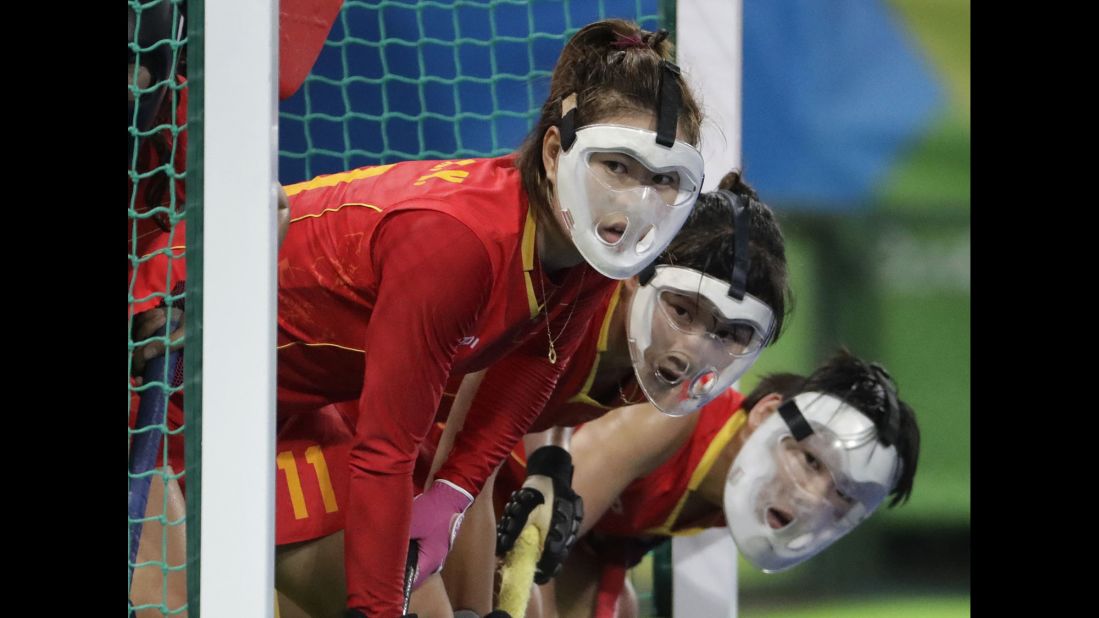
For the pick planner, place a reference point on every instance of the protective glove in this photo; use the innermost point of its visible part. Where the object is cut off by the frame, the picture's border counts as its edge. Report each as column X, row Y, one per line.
column 554, row 463
column 436, row 516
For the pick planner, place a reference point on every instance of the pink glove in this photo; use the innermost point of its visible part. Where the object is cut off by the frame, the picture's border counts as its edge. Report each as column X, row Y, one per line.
column 436, row 515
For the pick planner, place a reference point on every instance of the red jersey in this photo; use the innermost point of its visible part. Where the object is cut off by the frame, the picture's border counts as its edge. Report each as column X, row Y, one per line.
column 651, row 504
column 646, row 512
column 572, row 403
column 156, row 247
column 301, row 513
column 392, row 278
column 569, row 405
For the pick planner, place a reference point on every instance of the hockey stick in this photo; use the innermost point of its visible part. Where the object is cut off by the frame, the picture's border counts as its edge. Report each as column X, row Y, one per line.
column 147, row 441
column 517, row 572
column 410, row 570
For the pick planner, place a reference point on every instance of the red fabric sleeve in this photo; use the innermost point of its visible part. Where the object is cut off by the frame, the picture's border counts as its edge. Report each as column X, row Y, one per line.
column 514, row 392
column 612, row 580
column 429, row 296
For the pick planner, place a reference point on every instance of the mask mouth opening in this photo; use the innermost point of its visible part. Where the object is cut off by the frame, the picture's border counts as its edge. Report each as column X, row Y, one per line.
column 612, row 228
column 648, row 235
column 671, row 368
column 778, row 518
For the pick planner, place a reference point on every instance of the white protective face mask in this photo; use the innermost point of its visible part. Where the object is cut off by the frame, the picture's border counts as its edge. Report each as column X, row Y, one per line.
column 624, row 197
column 689, row 340
column 787, row 500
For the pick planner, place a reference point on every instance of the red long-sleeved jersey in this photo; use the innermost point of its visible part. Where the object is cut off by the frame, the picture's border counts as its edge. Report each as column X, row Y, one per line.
column 392, row 278
column 649, row 508
column 571, row 403
column 156, row 248
column 651, row 504
column 311, row 504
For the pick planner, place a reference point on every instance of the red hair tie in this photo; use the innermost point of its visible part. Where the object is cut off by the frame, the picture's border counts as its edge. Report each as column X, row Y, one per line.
column 627, row 41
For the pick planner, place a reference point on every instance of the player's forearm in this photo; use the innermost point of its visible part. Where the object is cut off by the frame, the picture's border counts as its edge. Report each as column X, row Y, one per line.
column 376, row 541
column 514, row 393
column 380, row 496
column 604, row 455
column 472, row 561
column 456, row 419
column 511, row 397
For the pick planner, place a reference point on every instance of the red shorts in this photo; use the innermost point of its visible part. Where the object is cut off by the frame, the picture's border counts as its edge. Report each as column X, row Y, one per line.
column 311, row 482
column 311, row 474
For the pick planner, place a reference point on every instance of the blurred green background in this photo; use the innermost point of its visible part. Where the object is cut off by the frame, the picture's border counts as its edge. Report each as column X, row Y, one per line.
column 891, row 281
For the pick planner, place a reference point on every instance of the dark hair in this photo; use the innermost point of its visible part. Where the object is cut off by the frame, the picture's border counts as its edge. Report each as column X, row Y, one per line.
column 707, row 240
column 785, row 384
column 613, row 66
column 859, row 384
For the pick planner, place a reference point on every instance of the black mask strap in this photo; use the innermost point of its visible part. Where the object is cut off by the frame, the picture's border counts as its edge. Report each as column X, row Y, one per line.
column 667, row 111
column 568, row 122
column 791, row 414
column 742, row 259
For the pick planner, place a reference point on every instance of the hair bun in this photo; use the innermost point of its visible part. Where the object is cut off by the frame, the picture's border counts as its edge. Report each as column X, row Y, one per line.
column 656, row 38
column 735, row 183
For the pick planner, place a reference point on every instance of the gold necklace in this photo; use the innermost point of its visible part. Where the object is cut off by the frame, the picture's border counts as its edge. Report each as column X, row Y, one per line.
column 552, row 355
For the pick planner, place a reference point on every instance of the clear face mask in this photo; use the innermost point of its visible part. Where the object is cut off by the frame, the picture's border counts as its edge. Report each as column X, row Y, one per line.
column 627, row 200
column 787, row 500
column 618, row 171
column 689, row 341
column 805, row 502
column 624, row 192
column 697, row 316
column 623, row 197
